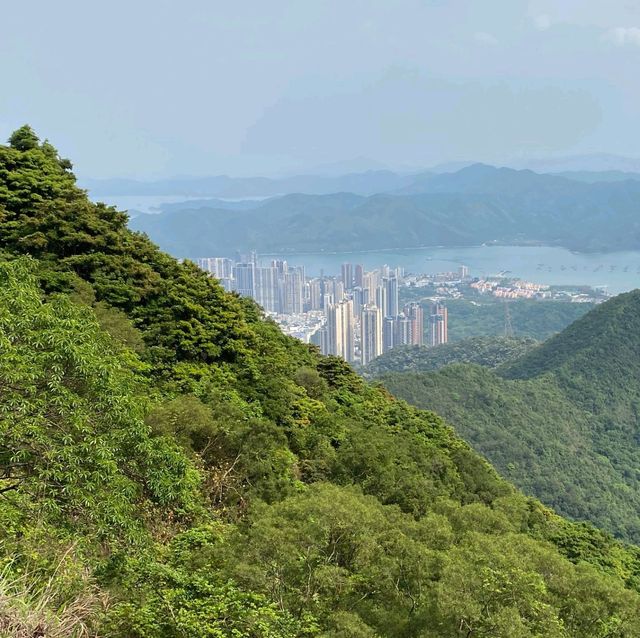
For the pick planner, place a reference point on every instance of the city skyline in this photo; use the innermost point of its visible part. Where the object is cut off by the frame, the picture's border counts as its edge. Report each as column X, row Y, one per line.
column 359, row 314
column 356, row 314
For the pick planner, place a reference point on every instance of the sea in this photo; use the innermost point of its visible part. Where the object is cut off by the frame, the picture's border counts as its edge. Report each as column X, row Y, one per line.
column 615, row 272
column 152, row 204
column 148, row 204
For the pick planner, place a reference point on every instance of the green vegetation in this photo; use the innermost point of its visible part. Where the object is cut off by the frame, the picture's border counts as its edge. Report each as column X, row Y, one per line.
column 485, row 317
column 529, row 318
column 563, row 424
column 171, row 465
column 485, row 351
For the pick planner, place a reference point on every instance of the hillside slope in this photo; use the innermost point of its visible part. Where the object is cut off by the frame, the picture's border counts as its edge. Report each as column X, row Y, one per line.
column 485, row 351
column 562, row 421
column 172, row 465
column 485, row 316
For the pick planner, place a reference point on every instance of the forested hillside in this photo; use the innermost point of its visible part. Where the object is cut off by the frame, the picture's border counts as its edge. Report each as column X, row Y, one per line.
column 562, row 420
column 485, row 317
column 530, row 318
column 171, row 465
column 485, row 351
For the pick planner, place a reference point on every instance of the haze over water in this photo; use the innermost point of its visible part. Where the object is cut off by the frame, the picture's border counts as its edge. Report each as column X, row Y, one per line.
column 619, row 271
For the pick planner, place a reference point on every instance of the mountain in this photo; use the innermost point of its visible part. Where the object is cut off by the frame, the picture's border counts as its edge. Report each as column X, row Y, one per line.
column 591, row 177
column 485, row 179
column 595, row 350
column 212, row 203
column 486, row 351
column 530, row 318
column 364, row 183
column 594, row 162
column 476, row 205
column 450, row 167
column 172, row 465
column 562, row 420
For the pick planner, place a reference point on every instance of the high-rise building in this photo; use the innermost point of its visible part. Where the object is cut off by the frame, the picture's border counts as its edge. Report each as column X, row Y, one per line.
column 332, row 291
column 358, row 274
column 403, row 331
column 391, row 285
column 438, row 324
column 360, row 298
column 323, row 293
column 371, row 333
column 347, row 276
column 338, row 288
column 228, row 283
column 291, row 295
column 219, row 267
column 280, row 265
column 340, row 329
column 463, row 271
column 205, row 263
column 244, row 276
column 381, row 299
column 266, row 289
column 370, row 281
column 321, row 339
column 315, row 294
column 415, row 315
column 388, row 333
column 247, row 258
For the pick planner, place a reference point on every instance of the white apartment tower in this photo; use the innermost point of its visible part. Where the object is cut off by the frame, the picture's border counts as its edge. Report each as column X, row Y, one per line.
column 340, row 329
column 371, row 333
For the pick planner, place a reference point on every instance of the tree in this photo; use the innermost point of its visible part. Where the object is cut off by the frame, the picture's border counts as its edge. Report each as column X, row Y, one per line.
column 73, row 443
column 24, row 139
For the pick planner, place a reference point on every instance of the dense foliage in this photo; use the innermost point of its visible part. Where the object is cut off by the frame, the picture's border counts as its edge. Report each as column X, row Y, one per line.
column 485, row 351
column 171, row 465
column 529, row 318
column 563, row 425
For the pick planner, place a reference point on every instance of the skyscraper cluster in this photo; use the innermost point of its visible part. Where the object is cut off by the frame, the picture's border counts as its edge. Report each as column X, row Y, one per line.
column 365, row 306
column 356, row 315
column 438, row 325
column 278, row 288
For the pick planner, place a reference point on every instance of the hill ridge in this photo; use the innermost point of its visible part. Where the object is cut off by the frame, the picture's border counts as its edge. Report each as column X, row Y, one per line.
column 454, row 209
column 562, row 420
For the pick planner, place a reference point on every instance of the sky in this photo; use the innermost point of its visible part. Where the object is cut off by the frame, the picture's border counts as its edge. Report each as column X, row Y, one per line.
column 149, row 89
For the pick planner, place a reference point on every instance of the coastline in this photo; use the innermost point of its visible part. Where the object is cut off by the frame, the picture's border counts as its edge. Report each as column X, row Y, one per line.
column 615, row 271
column 496, row 244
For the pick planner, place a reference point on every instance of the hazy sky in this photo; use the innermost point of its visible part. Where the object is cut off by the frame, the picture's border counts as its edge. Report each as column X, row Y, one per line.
column 153, row 88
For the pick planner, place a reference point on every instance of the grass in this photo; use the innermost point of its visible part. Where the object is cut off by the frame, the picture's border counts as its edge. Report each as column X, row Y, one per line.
column 33, row 609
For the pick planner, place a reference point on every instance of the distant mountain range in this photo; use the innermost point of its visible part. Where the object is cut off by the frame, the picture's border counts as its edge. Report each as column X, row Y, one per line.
column 600, row 176
column 360, row 176
column 478, row 204
column 594, row 162
column 363, row 183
